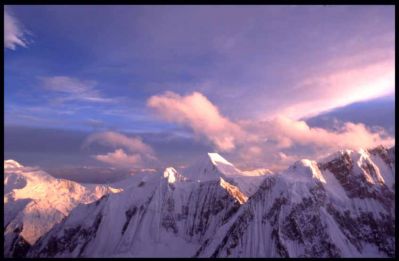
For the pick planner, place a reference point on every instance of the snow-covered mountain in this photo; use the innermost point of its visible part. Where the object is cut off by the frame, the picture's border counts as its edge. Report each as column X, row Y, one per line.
column 168, row 215
column 34, row 202
column 213, row 166
column 342, row 206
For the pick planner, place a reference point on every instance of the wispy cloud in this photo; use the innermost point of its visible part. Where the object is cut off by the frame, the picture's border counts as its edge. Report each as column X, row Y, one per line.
column 74, row 89
column 197, row 112
column 14, row 34
column 342, row 86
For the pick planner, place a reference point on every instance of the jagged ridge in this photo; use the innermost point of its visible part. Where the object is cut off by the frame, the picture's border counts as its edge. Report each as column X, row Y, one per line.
column 340, row 207
column 35, row 201
column 169, row 215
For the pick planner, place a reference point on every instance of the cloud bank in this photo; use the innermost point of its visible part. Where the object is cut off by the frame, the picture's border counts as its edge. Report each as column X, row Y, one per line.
column 275, row 141
column 285, row 133
column 281, row 141
column 13, row 33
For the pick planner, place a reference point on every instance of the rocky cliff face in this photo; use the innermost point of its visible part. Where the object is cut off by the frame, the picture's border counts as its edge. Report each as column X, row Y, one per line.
column 341, row 207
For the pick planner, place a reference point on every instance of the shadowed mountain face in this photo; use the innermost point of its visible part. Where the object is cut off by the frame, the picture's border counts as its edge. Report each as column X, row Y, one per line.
column 342, row 206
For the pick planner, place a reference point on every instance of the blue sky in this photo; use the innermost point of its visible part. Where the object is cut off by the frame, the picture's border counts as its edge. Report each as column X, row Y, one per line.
column 95, row 68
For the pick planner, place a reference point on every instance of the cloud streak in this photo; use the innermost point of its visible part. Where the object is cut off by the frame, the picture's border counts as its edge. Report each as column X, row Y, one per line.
column 198, row 113
column 340, row 87
column 14, row 35
column 74, row 89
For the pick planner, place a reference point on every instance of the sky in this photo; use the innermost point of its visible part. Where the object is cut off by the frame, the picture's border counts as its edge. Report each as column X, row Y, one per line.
column 122, row 88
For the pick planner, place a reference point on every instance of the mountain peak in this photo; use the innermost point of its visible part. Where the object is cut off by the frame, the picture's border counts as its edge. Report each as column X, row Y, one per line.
column 211, row 167
column 307, row 168
column 217, row 158
column 172, row 175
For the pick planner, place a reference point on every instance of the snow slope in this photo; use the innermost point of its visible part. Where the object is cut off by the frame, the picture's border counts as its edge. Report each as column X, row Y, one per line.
column 34, row 201
column 169, row 215
column 213, row 167
column 340, row 207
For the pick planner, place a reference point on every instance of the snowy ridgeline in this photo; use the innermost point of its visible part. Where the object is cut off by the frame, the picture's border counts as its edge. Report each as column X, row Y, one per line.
column 342, row 206
column 34, row 202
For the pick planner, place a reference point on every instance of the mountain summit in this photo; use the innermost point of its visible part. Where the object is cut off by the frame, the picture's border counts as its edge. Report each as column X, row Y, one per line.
column 213, row 166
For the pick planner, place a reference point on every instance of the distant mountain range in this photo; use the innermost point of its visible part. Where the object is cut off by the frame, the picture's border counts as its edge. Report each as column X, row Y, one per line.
column 342, row 206
column 35, row 201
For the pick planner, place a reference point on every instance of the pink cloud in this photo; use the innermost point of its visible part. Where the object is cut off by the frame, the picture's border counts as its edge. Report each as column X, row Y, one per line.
column 350, row 135
column 341, row 86
column 115, row 140
column 262, row 143
column 280, row 134
column 285, row 132
column 198, row 113
column 139, row 153
column 13, row 33
column 119, row 158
